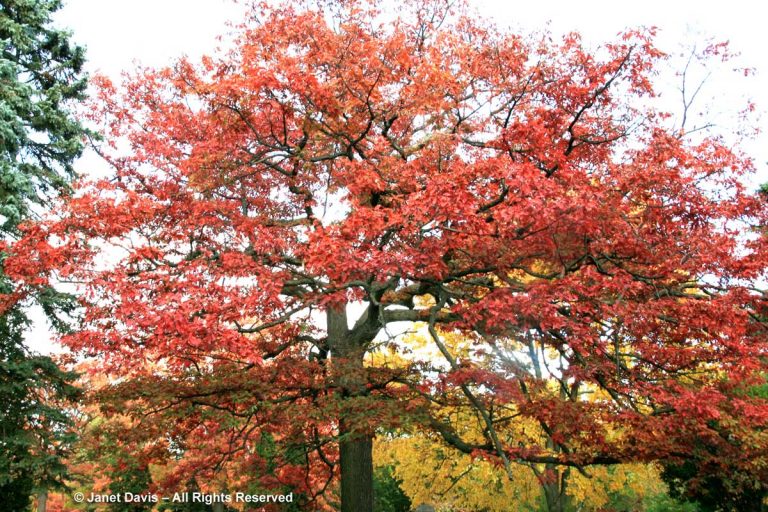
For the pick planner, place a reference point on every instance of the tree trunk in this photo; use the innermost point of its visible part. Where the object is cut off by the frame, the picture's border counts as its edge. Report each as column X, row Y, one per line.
column 42, row 500
column 555, row 488
column 218, row 506
column 552, row 495
column 356, row 458
column 355, row 448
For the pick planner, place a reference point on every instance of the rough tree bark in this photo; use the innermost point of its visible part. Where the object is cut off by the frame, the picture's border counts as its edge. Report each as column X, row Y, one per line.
column 355, row 447
column 42, row 500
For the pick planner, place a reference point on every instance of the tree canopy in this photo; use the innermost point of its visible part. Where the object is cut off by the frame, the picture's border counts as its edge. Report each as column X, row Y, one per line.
column 281, row 213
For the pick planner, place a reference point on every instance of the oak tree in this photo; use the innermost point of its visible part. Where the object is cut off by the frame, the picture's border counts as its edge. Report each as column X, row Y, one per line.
column 279, row 211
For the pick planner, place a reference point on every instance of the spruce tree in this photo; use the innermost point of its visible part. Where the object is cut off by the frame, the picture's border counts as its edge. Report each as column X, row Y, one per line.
column 41, row 79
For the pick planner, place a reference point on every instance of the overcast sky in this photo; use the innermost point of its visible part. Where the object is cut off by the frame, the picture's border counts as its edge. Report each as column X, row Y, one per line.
column 119, row 33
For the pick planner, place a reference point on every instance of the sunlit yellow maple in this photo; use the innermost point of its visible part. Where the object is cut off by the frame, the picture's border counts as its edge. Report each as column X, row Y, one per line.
column 432, row 473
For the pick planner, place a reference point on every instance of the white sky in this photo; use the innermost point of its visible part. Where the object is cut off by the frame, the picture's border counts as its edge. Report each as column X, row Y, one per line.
column 119, row 33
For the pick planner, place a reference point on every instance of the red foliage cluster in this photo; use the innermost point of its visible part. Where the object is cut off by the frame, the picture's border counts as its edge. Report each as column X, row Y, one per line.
column 427, row 168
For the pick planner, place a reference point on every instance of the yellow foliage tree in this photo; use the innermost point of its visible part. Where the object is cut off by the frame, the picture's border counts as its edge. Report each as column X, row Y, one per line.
column 431, row 473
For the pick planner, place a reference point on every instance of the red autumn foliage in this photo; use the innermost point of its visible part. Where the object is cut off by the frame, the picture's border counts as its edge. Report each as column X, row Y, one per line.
column 424, row 168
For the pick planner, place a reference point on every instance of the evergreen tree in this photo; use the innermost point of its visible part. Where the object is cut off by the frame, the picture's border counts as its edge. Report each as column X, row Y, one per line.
column 41, row 78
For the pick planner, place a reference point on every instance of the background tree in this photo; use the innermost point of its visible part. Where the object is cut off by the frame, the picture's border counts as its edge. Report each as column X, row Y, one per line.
column 431, row 472
column 278, row 212
column 387, row 494
column 40, row 80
